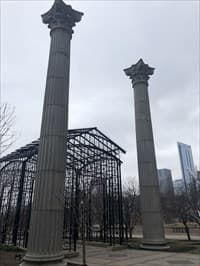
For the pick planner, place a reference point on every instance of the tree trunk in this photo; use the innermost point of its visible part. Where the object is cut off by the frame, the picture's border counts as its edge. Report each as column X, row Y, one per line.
column 187, row 230
column 101, row 233
column 126, row 232
column 130, row 232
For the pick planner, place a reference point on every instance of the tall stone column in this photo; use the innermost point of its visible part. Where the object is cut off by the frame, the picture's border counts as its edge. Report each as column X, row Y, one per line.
column 152, row 222
column 46, row 226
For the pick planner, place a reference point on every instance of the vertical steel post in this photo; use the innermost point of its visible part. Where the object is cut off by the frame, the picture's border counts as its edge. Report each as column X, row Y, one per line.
column 19, row 202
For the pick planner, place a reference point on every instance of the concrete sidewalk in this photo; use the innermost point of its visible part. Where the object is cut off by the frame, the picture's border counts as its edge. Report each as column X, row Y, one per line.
column 181, row 236
column 104, row 256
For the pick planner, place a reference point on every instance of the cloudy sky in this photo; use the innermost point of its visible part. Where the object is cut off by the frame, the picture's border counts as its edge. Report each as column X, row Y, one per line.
column 112, row 36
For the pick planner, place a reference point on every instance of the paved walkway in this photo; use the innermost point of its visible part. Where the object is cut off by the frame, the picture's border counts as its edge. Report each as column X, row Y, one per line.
column 181, row 236
column 101, row 256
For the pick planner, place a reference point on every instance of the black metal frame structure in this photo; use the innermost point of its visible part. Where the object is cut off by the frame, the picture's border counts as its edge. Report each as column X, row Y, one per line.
column 93, row 182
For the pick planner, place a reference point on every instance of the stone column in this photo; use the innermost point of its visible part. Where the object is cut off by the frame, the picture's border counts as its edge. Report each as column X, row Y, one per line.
column 46, row 226
column 152, row 222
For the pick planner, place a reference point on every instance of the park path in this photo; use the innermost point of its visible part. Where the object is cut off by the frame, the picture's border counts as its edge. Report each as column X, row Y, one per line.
column 105, row 256
column 181, row 236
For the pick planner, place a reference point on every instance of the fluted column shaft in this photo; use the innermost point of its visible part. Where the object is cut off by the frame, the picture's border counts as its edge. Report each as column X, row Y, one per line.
column 47, row 212
column 152, row 222
column 46, row 226
column 153, row 230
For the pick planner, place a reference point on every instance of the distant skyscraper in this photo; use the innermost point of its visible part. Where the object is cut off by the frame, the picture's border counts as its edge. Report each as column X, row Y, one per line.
column 198, row 174
column 165, row 182
column 178, row 186
column 187, row 163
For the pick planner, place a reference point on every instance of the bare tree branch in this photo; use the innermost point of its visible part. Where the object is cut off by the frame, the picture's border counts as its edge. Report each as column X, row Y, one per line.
column 7, row 135
column 131, row 208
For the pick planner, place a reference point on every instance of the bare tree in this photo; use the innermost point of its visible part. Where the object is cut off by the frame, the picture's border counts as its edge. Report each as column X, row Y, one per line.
column 131, row 210
column 7, row 136
column 167, row 209
column 193, row 198
column 182, row 211
column 185, row 206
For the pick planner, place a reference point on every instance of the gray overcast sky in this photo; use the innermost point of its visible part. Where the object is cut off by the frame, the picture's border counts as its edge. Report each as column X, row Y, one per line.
column 111, row 36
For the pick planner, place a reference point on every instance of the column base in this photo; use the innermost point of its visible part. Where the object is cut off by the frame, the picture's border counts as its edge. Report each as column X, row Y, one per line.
column 75, row 264
column 45, row 263
column 29, row 260
column 160, row 245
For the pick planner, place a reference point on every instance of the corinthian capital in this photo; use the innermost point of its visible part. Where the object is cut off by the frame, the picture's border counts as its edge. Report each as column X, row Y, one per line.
column 139, row 72
column 61, row 16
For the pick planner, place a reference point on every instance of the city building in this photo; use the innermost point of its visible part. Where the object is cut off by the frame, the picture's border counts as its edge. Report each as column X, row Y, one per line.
column 178, row 185
column 165, row 182
column 198, row 174
column 187, row 163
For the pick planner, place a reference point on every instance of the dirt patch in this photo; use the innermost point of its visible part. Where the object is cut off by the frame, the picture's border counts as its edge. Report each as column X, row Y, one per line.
column 10, row 258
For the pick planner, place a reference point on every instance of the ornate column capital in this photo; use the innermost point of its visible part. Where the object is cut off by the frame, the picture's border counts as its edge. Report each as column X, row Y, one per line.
column 139, row 73
column 61, row 16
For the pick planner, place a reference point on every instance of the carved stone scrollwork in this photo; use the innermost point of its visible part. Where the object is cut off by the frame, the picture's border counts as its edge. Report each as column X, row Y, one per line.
column 61, row 16
column 139, row 72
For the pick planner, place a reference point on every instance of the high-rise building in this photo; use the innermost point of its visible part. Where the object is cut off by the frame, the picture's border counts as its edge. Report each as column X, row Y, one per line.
column 187, row 163
column 165, row 182
column 198, row 174
column 178, row 186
